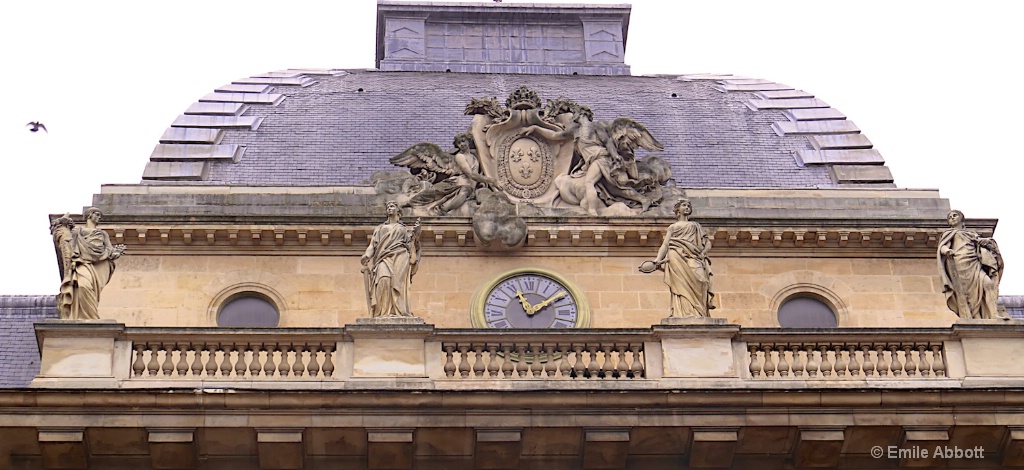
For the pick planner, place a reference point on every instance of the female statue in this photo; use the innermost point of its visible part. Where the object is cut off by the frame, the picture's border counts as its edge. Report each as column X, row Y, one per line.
column 87, row 263
column 684, row 258
column 389, row 264
column 971, row 266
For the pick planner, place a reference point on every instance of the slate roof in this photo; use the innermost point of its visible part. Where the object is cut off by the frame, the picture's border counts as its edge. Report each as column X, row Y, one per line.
column 19, row 355
column 334, row 127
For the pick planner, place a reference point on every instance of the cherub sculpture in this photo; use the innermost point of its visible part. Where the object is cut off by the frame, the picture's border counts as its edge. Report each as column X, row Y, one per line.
column 453, row 176
column 604, row 170
column 86, row 262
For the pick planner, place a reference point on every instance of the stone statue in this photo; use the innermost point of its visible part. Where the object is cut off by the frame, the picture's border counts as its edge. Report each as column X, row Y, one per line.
column 454, row 176
column 389, row 264
column 684, row 259
column 86, row 261
column 971, row 267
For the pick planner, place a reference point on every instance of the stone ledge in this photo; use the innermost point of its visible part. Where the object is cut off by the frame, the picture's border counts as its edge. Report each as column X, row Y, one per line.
column 840, row 157
column 217, row 109
column 194, row 171
column 244, row 122
column 813, row 114
column 184, row 135
column 241, row 88
column 187, row 152
column 840, row 141
column 757, row 105
column 782, row 94
column 251, row 98
column 784, row 128
column 862, row 174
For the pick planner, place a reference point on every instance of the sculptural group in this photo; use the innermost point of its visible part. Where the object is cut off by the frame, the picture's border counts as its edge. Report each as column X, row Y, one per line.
column 554, row 156
column 971, row 267
column 86, row 259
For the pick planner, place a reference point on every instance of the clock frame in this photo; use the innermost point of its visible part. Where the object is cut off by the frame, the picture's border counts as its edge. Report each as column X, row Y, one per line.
column 542, row 290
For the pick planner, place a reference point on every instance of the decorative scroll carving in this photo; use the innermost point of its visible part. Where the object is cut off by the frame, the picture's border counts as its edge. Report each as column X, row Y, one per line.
column 86, row 259
column 971, row 267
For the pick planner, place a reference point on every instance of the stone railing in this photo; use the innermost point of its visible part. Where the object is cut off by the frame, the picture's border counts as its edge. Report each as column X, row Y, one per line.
column 417, row 356
column 606, row 354
column 232, row 354
column 845, row 354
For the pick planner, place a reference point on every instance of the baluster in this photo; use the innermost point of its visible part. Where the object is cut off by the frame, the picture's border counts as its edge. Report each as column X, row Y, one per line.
column 854, row 365
column 607, row 366
column 549, row 364
column 181, row 368
column 138, row 366
column 881, row 366
column 536, row 366
column 211, row 360
column 593, row 367
column 449, row 364
column 328, row 367
column 492, row 360
column 926, row 367
column 755, row 364
column 464, row 360
column 783, row 365
column 255, row 366
column 798, row 361
column 270, row 366
column 637, row 369
column 197, row 363
column 153, row 365
column 908, row 358
column 478, row 366
column 521, row 368
column 938, row 362
column 298, row 367
column 506, row 362
column 313, row 368
column 769, row 364
column 167, row 365
column 841, row 362
column 283, row 369
column 564, row 369
column 812, row 362
column 225, row 359
column 897, row 368
column 826, row 365
column 620, row 355
column 240, row 363
column 577, row 366
column 869, row 365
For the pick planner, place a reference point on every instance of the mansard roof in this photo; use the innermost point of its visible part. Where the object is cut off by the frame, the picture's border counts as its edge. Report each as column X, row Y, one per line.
column 337, row 127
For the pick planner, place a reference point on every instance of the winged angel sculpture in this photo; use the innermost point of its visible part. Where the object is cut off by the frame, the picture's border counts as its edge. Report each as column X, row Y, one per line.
column 555, row 156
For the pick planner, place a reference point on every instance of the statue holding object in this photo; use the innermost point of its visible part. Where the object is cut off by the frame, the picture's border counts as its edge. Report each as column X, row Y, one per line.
column 86, row 259
column 389, row 264
column 684, row 259
column 971, row 267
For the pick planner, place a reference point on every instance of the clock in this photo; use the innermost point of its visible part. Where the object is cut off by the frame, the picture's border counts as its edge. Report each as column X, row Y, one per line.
column 530, row 298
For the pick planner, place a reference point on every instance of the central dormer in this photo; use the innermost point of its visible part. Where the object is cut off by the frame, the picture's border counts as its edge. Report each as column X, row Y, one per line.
column 530, row 38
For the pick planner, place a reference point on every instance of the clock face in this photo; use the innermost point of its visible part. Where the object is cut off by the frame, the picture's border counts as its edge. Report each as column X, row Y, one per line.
column 532, row 299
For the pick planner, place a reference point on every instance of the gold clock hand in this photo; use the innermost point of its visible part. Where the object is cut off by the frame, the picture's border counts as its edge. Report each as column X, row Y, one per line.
column 548, row 301
column 526, row 305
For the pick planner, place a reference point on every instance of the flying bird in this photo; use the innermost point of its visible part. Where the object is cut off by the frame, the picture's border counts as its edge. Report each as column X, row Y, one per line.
column 36, row 125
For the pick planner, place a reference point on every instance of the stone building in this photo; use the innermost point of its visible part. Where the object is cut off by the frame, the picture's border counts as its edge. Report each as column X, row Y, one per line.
column 236, row 332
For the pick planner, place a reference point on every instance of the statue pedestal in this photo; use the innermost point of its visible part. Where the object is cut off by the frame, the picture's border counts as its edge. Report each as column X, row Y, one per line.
column 390, row 347
column 81, row 354
column 702, row 321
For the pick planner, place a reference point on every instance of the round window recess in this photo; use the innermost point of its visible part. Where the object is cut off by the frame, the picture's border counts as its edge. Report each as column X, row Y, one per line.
column 806, row 312
column 248, row 310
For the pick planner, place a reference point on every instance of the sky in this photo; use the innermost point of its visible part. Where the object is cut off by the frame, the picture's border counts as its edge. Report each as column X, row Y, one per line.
column 933, row 84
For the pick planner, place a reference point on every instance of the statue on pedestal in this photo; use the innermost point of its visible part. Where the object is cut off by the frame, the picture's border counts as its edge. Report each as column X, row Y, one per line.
column 684, row 259
column 86, row 259
column 389, row 264
column 970, row 266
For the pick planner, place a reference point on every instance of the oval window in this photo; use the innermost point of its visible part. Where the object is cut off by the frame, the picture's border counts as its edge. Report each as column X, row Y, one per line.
column 804, row 311
column 248, row 310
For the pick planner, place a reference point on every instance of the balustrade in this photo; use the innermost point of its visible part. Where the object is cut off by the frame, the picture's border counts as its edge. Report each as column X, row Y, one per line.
column 228, row 358
column 527, row 360
column 855, row 359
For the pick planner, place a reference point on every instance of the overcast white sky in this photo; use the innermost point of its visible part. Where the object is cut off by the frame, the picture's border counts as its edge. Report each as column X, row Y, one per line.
column 934, row 85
